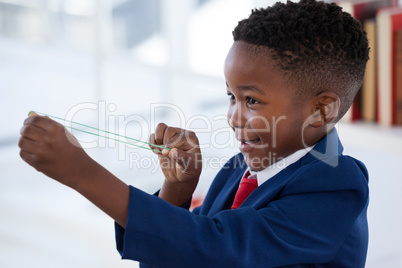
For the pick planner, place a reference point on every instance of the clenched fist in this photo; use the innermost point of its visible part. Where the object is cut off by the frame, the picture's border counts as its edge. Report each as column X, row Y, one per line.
column 181, row 165
column 51, row 149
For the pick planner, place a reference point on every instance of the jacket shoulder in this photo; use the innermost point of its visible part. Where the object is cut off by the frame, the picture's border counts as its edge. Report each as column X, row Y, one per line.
column 348, row 174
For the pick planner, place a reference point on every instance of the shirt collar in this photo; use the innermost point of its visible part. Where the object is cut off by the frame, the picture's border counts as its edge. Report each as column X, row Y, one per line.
column 272, row 170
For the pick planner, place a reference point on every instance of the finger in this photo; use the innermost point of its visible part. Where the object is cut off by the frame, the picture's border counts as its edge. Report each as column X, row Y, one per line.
column 165, row 162
column 29, row 158
column 170, row 133
column 43, row 122
column 185, row 160
column 173, row 154
column 27, row 145
column 159, row 132
column 185, row 140
column 32, row 113
column 152, row 141
column 32, row 132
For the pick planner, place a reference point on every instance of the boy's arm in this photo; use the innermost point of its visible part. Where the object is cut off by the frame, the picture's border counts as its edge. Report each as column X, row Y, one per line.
column 51, row 149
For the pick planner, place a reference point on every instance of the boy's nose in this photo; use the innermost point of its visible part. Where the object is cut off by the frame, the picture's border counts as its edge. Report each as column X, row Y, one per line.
column 235, row 117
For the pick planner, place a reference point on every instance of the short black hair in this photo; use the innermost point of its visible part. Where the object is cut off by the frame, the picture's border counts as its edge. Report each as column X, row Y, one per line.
column 316, row 45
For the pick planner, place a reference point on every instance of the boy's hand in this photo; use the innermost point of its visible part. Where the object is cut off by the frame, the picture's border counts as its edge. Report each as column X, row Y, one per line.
column 181, row 165
column 51, row 149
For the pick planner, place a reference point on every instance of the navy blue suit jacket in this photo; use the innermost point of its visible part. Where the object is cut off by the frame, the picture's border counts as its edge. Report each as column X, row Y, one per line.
column 311, row 214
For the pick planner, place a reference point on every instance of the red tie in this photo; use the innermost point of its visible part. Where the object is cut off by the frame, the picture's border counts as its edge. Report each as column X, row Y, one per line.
column 247, row 185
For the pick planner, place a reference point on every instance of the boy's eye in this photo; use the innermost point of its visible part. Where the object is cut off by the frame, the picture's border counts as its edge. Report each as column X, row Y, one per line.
column 252, row 101
column 231, row 96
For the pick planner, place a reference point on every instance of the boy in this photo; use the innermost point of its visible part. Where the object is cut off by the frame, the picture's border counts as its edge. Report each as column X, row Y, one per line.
column 291, row 74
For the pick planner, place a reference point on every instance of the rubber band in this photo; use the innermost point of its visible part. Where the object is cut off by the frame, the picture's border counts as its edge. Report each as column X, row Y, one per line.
column 105, row 131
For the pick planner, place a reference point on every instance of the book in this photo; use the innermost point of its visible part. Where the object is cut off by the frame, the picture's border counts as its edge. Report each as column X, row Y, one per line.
column 398, row 78
column 362, row 10
column 389, row 21
column 368, row 90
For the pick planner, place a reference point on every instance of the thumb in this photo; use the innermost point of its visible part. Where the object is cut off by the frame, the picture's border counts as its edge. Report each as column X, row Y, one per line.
column 32, row 113
column 182, row 158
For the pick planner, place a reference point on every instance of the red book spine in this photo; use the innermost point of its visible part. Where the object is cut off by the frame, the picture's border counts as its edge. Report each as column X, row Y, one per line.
column 398, row 78
column 396, row 26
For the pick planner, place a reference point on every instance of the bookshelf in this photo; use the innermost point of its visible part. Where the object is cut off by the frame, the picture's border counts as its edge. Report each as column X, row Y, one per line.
column 380, row 98
column 373, row 134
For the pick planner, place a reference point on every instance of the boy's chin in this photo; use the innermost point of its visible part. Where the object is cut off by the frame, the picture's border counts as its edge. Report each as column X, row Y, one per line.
column 258, row 163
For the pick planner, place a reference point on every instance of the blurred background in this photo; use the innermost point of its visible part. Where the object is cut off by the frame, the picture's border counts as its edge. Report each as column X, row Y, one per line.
column 126, row 65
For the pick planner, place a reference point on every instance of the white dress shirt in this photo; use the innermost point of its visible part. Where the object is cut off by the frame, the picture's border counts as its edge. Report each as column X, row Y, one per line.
column 272, row 170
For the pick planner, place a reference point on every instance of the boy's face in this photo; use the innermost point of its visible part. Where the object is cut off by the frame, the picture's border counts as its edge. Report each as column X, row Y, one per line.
column 263, row 113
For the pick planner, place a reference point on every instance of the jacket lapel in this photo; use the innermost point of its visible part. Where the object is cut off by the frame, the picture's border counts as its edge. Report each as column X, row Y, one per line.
column 270, row 189
column 225, row 199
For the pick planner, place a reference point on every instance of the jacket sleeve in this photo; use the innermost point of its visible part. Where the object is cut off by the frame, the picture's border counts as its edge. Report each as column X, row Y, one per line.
column 307, row 223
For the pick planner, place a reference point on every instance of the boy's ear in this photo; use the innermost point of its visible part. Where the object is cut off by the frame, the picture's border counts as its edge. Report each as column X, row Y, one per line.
column 326, row 108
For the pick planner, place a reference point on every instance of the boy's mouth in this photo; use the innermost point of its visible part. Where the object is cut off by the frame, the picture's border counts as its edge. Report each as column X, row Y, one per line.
column 248, row 145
